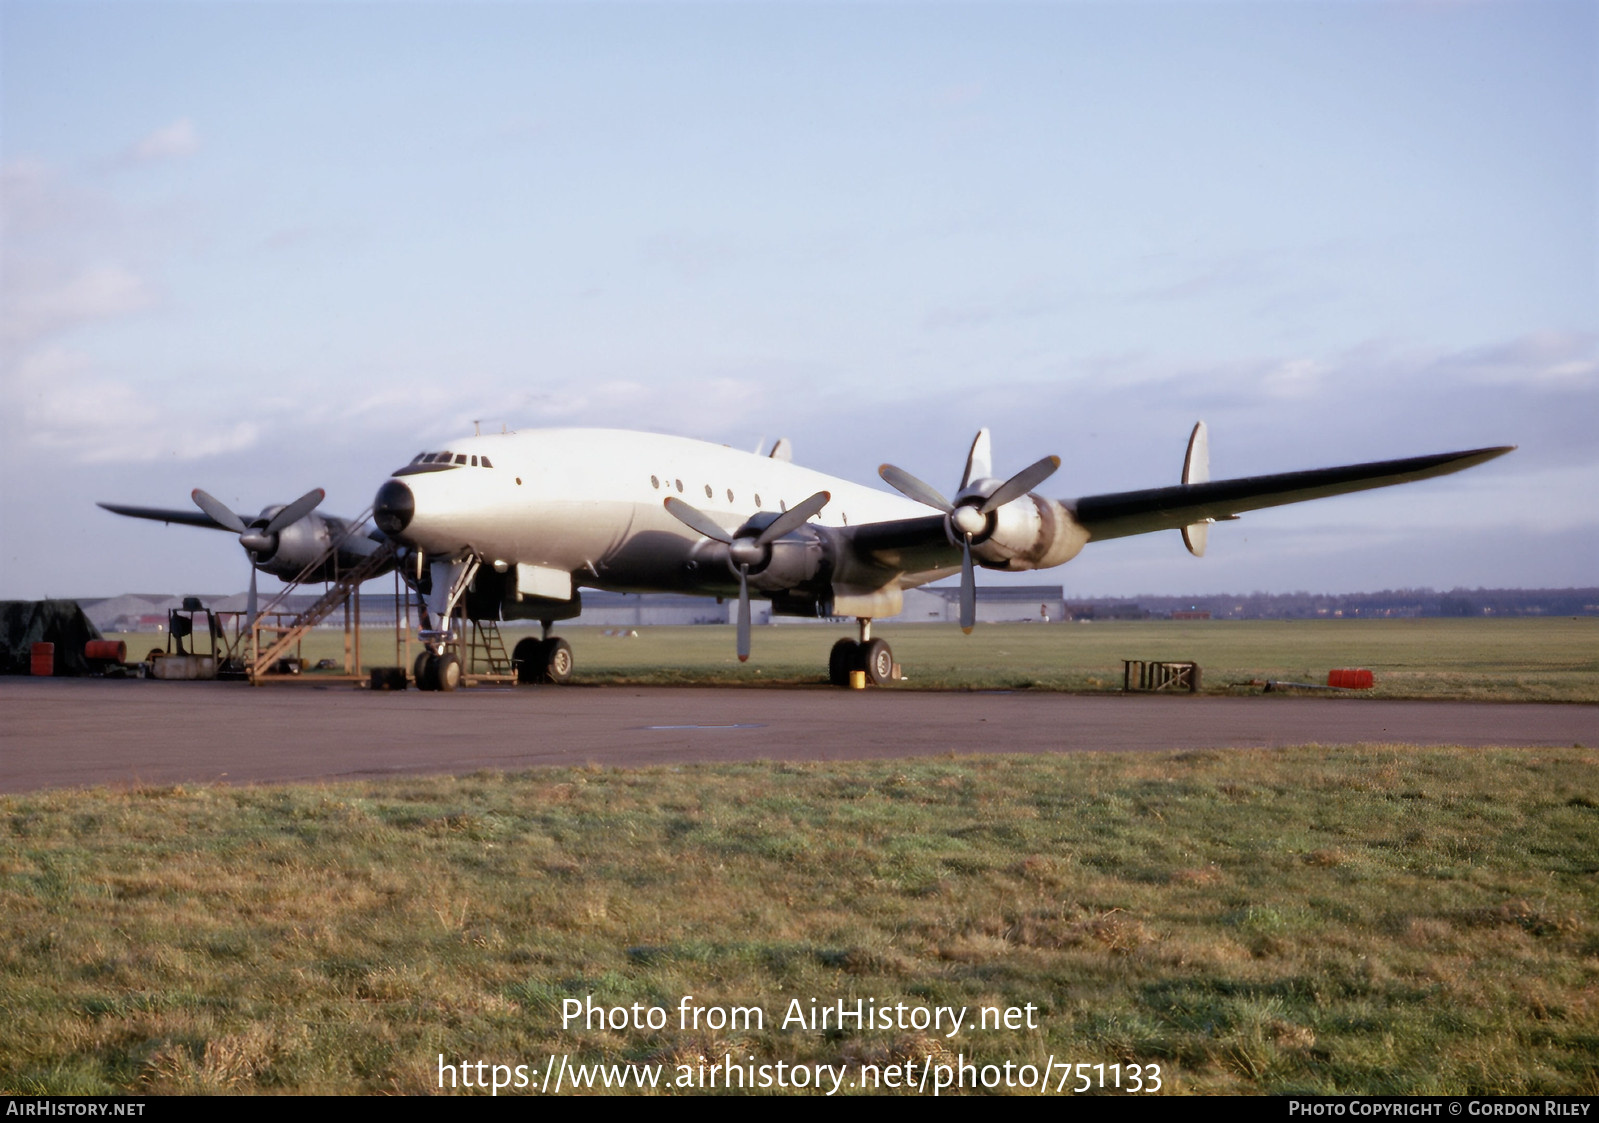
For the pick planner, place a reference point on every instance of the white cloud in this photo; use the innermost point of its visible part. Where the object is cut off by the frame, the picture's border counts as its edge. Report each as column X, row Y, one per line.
column 1293, row 379
column 57, row 403
column 37, row 305
column 1548, row 359
column 174, row 141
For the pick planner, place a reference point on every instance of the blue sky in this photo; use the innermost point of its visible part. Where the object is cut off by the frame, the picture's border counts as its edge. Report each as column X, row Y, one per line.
column 264, row 247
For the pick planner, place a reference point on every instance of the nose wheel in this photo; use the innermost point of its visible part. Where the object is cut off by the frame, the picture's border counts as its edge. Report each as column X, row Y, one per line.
column 437, row 672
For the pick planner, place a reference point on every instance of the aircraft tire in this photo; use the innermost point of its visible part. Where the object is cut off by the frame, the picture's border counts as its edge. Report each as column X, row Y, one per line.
column 426, row 672
column 557, row 662
column 447, row 671
column 528, row 657
column 844, row 658
column 877, row 660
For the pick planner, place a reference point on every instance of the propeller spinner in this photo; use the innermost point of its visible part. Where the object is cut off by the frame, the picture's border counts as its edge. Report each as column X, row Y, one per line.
column 745, row 551
column 262, row 541
column 969, row 515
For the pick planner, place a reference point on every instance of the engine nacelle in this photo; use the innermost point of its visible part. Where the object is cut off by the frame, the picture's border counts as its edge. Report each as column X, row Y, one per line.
column 1030, row 533
column 788, row 563
column 287, row 553
column 794, row 561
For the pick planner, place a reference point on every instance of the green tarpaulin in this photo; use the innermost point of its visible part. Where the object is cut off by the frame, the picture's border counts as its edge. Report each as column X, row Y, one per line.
column 24, row 623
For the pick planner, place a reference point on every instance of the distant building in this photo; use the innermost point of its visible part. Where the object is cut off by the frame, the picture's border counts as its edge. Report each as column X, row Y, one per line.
column 996, row 604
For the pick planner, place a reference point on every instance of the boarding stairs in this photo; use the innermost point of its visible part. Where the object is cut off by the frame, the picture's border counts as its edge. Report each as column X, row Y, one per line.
column 338, row 592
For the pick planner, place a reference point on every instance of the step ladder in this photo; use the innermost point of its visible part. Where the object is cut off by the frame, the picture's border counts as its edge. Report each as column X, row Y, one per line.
column 338, row 592
column 485, row 643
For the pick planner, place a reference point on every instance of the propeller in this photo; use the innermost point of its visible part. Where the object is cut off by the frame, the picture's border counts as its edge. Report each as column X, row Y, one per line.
column 746, row 550
column 967, row 517
column 257, row 541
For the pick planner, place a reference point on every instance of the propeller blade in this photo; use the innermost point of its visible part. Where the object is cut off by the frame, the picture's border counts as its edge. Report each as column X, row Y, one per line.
column 968, row 588
column 794, row 518
column 743, row 613
column 908, row 485
column 295, row 511
column 1021, row 483
column 218, row 511
column 695, row 519
column 979, row 461
column 249, row 608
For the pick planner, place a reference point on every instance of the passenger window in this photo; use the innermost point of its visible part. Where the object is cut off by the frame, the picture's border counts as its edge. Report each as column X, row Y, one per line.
column 757, row 499
column 655, row 482
column 730, row 495
column 707, row 491
column 679, row 484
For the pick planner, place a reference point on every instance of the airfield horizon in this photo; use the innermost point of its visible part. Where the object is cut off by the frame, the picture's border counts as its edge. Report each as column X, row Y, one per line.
column 1544, row 659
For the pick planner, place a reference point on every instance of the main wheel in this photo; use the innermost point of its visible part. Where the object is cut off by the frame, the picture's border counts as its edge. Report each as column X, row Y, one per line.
column 877, row 660
column 426, row 671
column 448, row 671
column 557, row 661
column 844, row 658
column 528, row 658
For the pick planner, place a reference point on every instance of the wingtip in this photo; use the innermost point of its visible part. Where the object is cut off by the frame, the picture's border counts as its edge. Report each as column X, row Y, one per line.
column 966, row 631
column 743, row 658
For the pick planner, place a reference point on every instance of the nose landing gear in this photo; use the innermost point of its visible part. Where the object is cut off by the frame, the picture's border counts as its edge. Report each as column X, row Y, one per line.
column 437, row 672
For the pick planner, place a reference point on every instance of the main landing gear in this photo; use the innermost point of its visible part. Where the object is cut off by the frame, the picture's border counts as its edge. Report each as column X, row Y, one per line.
column 542, row 660
column 872, row 656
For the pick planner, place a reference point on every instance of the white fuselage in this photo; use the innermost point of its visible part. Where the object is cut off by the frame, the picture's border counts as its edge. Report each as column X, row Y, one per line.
column 590, row 502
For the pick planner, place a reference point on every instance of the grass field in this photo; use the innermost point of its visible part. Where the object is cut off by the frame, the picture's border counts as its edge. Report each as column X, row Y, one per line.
column 1374, row 919
column 1546, row 660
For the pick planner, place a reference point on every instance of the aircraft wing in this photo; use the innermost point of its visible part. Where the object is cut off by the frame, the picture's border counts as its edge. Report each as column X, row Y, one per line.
column 1122, row 513
column 905, row 545
column 161, row 514
column 923, row 547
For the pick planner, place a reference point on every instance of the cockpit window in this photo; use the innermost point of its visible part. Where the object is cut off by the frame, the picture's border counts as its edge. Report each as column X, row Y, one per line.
column 419, row 457
column 460, row 458
column 486, row 463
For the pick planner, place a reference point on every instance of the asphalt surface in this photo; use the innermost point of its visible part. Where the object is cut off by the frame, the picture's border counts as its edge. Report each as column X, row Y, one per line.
column 83, row 732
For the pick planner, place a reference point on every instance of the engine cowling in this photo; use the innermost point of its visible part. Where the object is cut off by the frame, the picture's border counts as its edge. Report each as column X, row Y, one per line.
column 286, row 553
column 1029, row 533
column 788, row 563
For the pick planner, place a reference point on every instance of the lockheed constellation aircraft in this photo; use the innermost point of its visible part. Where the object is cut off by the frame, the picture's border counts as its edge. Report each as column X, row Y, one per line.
column 511, row 525
column 523, row 519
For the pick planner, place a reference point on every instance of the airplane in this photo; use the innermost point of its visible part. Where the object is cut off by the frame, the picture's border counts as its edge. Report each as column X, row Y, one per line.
column 512, row 526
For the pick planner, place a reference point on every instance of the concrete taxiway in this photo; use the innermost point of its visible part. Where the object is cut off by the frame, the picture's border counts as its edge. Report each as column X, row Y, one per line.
column 81, row 732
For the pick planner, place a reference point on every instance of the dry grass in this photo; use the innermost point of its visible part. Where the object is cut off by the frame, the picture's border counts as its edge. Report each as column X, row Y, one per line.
column 1353, row 920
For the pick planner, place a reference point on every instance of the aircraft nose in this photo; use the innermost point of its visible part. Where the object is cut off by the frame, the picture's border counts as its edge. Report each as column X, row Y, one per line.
column 393, row 508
